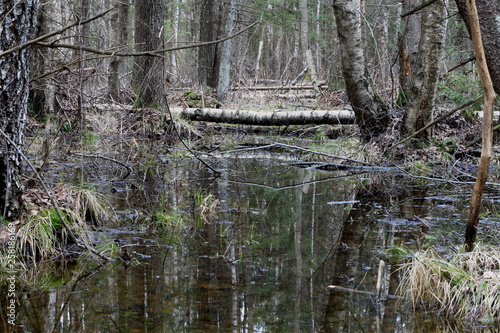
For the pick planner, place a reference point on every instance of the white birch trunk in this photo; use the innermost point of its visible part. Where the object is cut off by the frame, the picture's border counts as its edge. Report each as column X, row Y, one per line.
column 424, row 79
column 268, row 118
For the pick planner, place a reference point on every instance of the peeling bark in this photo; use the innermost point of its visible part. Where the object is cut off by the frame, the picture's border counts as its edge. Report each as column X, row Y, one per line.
column 17, row 26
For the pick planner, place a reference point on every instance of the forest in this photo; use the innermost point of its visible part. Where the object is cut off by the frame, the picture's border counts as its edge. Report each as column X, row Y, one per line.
column 181, row 158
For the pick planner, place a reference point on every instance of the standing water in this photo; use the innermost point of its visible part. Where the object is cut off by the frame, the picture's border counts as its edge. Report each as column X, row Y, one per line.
column 260, row 246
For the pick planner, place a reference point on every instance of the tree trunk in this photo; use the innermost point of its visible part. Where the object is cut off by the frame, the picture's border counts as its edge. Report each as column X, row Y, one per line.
column 408, row 41
column 372, row 114
column 268, row 118
column 119, row 21
column 17, row 26
column 149, row 72
column 304, row 31
column 381, row 76
column 423, row 81
column 489, row 14
column 225, row 62
column 207, row 54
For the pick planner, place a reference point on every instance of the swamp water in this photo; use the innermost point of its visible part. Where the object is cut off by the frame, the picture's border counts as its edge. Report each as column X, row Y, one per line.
column 259, row 248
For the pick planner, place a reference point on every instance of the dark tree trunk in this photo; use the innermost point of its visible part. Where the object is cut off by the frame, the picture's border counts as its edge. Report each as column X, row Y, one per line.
column 17, row 26
column 149, row 71
column 489, row 13
column 372, row 114
column 119, row 22
column 207, row 55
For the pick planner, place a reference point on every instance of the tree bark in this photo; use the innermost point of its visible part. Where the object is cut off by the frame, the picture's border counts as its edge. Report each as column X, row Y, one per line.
column 489, row 20
column 119, row 21
column 268, row 118
column 372, row 114
column 226, row 55
column 17, row 26
column 149, row 71
column 304, row 31
column 424, row 78
column 207, row 62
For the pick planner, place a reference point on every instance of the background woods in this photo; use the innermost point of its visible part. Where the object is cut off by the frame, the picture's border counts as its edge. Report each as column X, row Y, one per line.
column 392, row 58
column 102, row 61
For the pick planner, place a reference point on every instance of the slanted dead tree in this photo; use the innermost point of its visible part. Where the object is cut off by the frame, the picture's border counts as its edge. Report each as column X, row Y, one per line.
column 487, row 132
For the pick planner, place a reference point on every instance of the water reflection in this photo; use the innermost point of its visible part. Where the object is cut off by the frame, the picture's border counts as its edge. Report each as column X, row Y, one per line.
column 281, row 236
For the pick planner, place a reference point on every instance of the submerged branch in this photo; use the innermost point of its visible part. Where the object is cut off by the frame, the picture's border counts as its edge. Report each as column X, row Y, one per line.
column 128, row 167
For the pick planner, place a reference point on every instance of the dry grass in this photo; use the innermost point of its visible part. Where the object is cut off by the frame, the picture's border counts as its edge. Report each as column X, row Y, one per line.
column 41, row 234
column 465, row 286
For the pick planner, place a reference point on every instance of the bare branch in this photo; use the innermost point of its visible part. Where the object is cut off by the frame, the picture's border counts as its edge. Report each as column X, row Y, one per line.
column 144, row 53
column 50, row 34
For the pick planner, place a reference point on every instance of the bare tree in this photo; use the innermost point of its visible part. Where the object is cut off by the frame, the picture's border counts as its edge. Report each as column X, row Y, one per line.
column 17, row 26
column 372, row 114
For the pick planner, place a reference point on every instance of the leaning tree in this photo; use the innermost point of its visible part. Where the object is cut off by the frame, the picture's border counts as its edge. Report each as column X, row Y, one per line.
column 372, row 114
column 17, row 26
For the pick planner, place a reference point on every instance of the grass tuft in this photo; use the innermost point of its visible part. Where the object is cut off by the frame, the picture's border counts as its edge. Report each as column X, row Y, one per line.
column 465, row 286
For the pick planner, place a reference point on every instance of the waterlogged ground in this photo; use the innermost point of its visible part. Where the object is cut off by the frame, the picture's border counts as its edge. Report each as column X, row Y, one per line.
column 258, row 249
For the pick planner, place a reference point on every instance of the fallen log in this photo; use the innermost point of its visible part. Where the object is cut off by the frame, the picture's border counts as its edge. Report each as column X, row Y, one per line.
column 269, row 118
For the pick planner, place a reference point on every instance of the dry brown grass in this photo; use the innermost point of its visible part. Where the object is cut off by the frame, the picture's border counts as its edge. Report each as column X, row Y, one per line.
column 465, row 286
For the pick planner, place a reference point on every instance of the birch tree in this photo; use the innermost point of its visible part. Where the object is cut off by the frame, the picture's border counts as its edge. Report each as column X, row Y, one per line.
column 372, row 114
column 17, row 26
column 424, row 79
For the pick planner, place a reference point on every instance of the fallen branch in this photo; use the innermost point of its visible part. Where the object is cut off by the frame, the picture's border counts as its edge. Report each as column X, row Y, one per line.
column 144, row 53
column 129, row 168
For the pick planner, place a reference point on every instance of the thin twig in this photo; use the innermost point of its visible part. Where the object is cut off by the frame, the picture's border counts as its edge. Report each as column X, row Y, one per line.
column 217, row 173
column 417, row 8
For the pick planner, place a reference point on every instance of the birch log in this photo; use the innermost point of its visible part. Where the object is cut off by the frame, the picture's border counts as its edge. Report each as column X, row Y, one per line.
column 269, row 118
